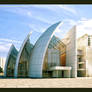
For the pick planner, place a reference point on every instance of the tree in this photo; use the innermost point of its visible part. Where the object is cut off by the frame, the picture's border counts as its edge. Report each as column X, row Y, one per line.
column 1, row 70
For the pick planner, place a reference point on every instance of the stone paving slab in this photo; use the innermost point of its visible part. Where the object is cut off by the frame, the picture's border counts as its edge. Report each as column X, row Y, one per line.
column 47, row 83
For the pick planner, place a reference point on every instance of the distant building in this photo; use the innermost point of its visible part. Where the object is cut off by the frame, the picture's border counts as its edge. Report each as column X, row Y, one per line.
column 2, row 62
column 84, row 47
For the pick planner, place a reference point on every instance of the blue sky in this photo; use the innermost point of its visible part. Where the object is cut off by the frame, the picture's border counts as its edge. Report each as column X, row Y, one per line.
column 16, row 21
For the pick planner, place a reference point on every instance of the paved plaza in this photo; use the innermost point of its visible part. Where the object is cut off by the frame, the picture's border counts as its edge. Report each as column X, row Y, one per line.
column 47, row 83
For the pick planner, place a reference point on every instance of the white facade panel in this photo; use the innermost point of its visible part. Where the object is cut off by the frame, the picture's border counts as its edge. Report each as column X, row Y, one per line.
column 71, row 51
column 89, row 61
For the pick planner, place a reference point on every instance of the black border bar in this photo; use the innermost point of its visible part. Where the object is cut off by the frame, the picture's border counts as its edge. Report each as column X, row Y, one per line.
column 45, row 1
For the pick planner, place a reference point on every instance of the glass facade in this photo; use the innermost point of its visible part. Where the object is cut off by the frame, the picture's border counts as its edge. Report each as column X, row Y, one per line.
column 11, row 62
column 54, row 56
column 24, row 60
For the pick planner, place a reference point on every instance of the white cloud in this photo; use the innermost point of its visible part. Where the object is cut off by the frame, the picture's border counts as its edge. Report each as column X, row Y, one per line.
column 8, row 40
column 43, row 19
column 5, row 44
column 83, row 19
column 71, row 10
column 33, row 28
column 70, row 21
column 25, row 12
column 29, row 13
column 84, row 26
column 55, row 8
column 4, row 47
column 19, row 10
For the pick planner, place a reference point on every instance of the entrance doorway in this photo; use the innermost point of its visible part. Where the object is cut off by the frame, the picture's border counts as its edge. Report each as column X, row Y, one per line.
column 62, row 74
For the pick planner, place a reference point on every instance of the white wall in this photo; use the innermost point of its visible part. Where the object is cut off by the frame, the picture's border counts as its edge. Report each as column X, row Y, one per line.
column 71, row 51
column 89, row 60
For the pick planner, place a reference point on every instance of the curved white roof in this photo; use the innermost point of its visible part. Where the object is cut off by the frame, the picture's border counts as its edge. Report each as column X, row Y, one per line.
column 39, row 51
column 19, row 54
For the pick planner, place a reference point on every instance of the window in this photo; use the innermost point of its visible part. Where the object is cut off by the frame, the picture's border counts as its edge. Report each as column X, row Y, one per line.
column 88, row 40
column 79, row 59
column 81, row 66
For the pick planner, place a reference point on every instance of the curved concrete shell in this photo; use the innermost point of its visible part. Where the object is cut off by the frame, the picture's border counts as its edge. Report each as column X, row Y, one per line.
column 21, row 67
column 71, row 51
column 39, row 51
column 10, row 61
